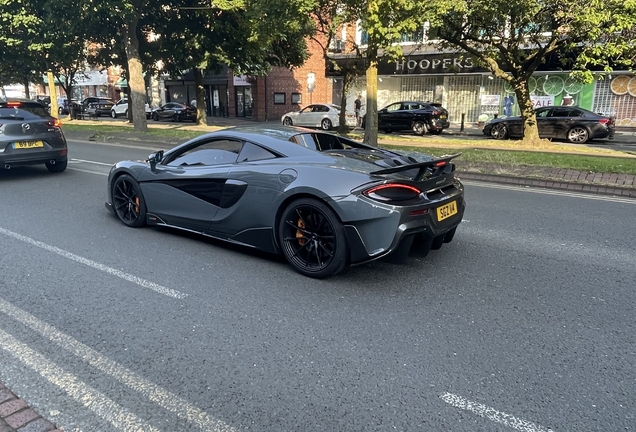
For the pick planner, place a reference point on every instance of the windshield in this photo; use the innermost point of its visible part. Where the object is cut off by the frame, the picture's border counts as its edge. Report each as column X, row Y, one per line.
column 22, row 110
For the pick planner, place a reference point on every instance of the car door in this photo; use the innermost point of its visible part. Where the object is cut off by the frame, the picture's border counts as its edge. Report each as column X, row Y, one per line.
column 121, row 106
column 167, row 111
column 306, row 116
column 405, row 115
column 543, row 122
column 388, row 117
column 563, row 118
column 187, row 187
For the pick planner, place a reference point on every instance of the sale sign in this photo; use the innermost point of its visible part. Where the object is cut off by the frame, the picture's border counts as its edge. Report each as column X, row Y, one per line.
column 542, row 101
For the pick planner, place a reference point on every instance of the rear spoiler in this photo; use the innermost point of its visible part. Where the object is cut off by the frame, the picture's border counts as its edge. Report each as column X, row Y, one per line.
column 420, row 166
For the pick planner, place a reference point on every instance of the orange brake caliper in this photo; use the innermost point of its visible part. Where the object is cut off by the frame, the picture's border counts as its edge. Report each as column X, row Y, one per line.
column 299, row 235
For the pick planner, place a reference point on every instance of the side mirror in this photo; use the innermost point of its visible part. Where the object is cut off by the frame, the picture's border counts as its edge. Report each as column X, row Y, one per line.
column 155, row 158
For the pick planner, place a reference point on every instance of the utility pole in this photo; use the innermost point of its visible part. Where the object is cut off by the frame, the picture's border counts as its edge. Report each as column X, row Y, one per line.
column 53, row 94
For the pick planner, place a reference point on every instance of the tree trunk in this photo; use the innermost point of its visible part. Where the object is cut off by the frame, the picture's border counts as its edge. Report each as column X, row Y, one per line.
column 347, row 79
column 530, row 128
column 371, row 116
column 27, row 93
column 200, row 95
column 69, row 91
column 136, row 82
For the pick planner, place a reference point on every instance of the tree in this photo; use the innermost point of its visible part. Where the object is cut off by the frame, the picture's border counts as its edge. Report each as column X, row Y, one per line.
column 383, row 23
column 512, row 38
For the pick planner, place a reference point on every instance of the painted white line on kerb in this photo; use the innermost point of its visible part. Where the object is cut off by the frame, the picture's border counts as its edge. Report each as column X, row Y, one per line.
column 167, row 400
column 492, row 414
column 94, row 400
column 120, row 274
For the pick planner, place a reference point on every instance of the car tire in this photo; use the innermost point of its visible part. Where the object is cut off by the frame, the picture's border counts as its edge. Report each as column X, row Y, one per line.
column 418, row 128
column 313, row 239
column 126, row 114
column 175, row 118
column 325, row 124
column 113, row 114
column 578, row 135
column 499, row 131
column 435, row 131
column 448, row 237
column 128, row 202
column 387, row 131
column 60, row 111
column 287, row 121
column 155, row 116
column 57, row 167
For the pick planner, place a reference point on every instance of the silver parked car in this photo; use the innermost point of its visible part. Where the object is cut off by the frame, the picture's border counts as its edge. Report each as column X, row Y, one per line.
column 321, row 200
column 324, row 116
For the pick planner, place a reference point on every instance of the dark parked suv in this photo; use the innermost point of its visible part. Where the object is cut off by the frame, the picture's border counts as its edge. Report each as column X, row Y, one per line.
column 418, row 117
column 97, row 106
column 30, row 136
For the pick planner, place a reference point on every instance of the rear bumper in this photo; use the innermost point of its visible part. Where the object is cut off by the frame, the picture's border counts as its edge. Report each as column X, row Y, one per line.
column 33, row 158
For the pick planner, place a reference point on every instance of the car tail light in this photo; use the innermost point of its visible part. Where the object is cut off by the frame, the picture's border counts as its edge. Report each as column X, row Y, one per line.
column 14, row 104
column 392, row 192
column 604, row 121
column 55, row 123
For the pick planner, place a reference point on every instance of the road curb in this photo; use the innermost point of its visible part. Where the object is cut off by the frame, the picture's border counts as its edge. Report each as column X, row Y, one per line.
column 17, row 416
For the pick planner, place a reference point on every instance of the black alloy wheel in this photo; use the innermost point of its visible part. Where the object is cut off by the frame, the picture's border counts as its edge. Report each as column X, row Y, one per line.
column 288, row 121
column 313, row 239
column 128, row 202
column 155, row 116
column 499, row 131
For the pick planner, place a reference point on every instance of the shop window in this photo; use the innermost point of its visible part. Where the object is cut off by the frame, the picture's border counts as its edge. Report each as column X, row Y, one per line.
column 279, row 98
column 296, row 98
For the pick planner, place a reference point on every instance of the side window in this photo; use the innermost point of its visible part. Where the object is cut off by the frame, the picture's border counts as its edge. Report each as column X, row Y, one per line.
column 575, row 113
column 207, row 153
column 328, row 142
column 542, row 113
column 305, row 140
column 560, row 112
column 394, row 107
column 252, row 152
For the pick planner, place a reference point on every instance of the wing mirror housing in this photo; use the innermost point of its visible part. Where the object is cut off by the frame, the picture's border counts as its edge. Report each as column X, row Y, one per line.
column 155, row 158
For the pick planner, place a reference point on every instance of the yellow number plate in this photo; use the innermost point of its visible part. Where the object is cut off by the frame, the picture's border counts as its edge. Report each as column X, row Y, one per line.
column 446, row 211
column 28, row 144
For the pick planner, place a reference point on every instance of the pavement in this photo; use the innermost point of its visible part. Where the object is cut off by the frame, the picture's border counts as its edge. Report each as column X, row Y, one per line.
column 17, row 416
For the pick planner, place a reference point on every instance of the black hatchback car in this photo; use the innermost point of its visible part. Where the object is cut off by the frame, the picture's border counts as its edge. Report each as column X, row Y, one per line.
column 175, row 111
column 574, row 124
column 418, row 117
column 30, row 136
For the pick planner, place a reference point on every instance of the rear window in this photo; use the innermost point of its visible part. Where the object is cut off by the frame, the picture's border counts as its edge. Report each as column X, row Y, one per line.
column 23, row 110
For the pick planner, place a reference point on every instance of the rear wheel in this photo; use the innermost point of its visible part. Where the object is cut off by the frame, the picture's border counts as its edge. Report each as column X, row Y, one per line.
column 57, row 167
column 578, row 135
column 60, row 110
column 313, row 239
column 288, row 121
column 418, row 128
column 499, row 131
column 128, row 202
column 435, row 131
column 325, row 124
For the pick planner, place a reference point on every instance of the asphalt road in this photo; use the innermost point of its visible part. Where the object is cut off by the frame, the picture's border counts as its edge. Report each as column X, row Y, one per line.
column 524, row 322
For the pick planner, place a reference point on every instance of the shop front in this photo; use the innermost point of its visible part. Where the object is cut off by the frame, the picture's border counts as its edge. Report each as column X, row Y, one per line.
column 243, row 96
column 471, row 93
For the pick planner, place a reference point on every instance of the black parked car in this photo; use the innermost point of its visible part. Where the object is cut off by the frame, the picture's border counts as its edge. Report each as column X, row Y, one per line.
column 175, row 111
column 418, row 117
column 30, row 136
column 97, row 106
column 577, row 125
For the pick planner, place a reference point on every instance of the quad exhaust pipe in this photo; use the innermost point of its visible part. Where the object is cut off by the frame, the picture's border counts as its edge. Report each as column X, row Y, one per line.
column 7, row 166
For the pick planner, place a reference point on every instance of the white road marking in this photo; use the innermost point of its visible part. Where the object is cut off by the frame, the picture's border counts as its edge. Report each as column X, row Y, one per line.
column 539, row 190
column 87, row 171
column 90, row 263
column 492, row 414
column 73, row 160
column 138, row 147
column 167, row 400
column 96, row 401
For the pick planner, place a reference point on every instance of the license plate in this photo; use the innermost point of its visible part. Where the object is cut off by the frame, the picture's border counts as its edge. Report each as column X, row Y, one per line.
column 27, row 144
column 446, row 211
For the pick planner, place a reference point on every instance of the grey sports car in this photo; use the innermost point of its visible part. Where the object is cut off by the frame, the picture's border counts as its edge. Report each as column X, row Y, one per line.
column 323, row 201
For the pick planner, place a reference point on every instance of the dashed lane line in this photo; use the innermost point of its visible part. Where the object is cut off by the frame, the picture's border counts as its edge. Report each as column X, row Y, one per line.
column 167, row 400
column 492, row 414
column 101, row 267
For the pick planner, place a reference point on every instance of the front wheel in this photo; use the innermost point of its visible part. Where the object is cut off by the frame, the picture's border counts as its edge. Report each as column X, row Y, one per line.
column 418, row 128
column 288, row 121
column 325, row 124
column 60, row 110
column 155, row 116
column 578, row 135
column 56, row 167
column 499, row 131
column 313, row 239
column 128, row 202
column 113, row 114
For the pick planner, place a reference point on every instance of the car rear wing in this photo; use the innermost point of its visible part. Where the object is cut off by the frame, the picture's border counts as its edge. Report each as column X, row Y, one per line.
column 435, row 166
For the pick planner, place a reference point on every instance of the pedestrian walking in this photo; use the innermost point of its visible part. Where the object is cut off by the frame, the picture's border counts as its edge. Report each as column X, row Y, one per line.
column 358, row 107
